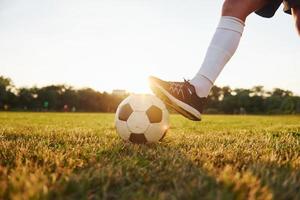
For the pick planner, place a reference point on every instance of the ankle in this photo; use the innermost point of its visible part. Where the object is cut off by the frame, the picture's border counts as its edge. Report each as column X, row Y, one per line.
column 202, row 85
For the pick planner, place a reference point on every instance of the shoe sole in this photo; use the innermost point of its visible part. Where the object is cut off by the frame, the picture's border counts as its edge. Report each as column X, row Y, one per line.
column 181, row 107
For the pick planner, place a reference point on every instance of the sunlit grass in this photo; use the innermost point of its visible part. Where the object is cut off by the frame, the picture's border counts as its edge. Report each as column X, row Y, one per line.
column 80, row 156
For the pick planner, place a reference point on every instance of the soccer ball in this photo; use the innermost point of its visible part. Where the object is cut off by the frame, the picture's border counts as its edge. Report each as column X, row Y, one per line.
column 142, row 119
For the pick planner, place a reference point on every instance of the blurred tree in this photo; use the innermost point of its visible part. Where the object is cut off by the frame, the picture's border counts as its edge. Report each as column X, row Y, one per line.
column 51, row 96
column 70, row 97
column 213, row 101
column 297, row 103
column 27, row 98
column 220, row 100
column 7, row 95
column 89, row 100
column 258, row 91
column 288, row 105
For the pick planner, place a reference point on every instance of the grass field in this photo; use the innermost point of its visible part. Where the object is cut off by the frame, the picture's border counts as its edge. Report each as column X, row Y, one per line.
column 80, row 156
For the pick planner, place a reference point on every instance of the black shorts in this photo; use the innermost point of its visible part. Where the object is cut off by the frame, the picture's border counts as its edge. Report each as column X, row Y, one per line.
column 270, row 9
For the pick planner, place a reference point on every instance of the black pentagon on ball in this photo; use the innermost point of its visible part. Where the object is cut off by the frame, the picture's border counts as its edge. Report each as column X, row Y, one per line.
column 154, row 114
column 125, row 112
column 137, row 138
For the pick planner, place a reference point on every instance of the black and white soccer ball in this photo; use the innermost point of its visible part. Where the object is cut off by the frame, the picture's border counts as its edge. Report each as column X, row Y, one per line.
column 142, row 119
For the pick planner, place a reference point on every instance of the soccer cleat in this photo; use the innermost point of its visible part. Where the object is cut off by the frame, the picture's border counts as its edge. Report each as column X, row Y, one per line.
column 181, row 96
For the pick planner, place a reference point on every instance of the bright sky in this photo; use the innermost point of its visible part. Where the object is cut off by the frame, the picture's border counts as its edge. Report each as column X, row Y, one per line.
column 117, row 44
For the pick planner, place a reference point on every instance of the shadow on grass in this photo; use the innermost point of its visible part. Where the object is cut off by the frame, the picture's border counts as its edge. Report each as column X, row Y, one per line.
column 284, row 181
column 120, row 170
column 127, row 171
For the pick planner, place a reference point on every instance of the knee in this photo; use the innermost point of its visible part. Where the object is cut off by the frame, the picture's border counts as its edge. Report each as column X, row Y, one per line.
column 231, row 6
column 241, row 8
column 235, row 8
column 296, row 14
column 298, row 26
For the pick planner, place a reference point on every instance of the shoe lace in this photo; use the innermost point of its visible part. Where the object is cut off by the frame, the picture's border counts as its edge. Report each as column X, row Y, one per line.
column 178, row 88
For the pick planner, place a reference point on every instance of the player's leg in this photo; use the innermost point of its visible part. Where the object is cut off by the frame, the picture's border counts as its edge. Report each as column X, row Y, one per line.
column 189, row 97
column 296, row 14
column 241, row 9
column 225, row 42
column 293, row 7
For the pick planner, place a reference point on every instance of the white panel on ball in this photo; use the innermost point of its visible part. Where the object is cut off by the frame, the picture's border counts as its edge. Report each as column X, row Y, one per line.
column 140, row 102
column 155, row 132
column 122, row 129
column 138, row 122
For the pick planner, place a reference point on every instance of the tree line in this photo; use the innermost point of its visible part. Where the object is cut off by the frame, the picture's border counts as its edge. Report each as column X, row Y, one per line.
column 66, row 98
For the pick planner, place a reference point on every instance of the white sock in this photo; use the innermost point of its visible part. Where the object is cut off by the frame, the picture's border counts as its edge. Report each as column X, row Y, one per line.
column 222, row 47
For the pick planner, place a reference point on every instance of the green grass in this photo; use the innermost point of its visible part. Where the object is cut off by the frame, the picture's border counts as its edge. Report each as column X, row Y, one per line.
column 80, row 156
